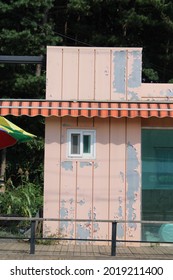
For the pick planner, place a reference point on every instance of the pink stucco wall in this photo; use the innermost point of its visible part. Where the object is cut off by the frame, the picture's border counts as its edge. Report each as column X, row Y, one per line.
column 108, row 187
column 109, row 74
column 92, row 73
column 105, row 188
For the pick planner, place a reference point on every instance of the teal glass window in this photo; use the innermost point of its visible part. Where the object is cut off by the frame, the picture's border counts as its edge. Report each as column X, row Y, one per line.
column 87, row 144
column 157, row 183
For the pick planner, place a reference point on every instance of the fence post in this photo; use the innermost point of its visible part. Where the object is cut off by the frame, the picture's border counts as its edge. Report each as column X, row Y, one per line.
column 114, row 237
column 32, row 238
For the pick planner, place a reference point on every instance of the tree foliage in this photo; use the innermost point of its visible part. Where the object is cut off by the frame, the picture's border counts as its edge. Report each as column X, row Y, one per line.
column 26, row 29
column 23, row 201
column 127, row 23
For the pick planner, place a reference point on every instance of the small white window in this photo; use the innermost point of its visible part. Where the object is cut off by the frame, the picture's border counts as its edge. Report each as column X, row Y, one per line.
column 81, row 143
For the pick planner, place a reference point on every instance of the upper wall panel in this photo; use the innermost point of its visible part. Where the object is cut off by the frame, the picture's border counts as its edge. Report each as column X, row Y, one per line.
column 93, row 73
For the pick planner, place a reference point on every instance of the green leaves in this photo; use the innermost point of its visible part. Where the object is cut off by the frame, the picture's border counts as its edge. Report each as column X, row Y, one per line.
column 26, row 27
column 150, row 75
column 25, row 162
column 23, row 201
column 29, row 86
column 79, row 6
column 122, row 23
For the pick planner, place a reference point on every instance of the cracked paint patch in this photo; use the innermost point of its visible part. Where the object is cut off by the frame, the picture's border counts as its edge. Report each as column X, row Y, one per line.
column 71, row 200
column 133, row 96
column 67, row 165
column 119, row 71
column 95, row 225
column 120, row 211
column 120, row 208
column 83, row 231
column 85, row 164
column 168, row 93
column 63, row 215
column 134, row 79
column 81, row 202
column 120, row 231
column 120, row 227
column 67, row 227
column 133, row 181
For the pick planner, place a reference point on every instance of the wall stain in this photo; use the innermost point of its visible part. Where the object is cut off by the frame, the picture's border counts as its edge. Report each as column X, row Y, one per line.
column 120, row 231
column 83, row 231
column 92, row 215
column 133, row 96
column 63, row 215
column 168, row 93
column 120, row 212
column 71, row 200
column 67, row 227
column 67, row 165
column 122, row 176
column 119, row 64
column 133, row 182
column 85, row 163
column 120, row 227
column 134, row 79
column 66, row 124
column 81, row 202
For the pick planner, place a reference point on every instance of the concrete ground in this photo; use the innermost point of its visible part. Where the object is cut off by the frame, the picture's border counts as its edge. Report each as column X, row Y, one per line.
column 12, row 250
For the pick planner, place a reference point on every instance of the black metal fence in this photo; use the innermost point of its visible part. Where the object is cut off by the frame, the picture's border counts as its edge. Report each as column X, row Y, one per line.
column 33, row 238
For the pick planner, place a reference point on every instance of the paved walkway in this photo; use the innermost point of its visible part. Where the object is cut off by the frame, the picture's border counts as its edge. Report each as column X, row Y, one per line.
column 21, row 251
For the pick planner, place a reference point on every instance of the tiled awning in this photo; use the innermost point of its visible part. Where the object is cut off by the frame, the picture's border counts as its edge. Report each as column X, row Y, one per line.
column 47, row 108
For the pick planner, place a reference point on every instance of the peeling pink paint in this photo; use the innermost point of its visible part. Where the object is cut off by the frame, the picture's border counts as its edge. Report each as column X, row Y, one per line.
column 109, row 186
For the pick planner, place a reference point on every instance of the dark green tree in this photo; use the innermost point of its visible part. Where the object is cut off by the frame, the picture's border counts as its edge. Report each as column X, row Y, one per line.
column 27, row 28
column 127, row 23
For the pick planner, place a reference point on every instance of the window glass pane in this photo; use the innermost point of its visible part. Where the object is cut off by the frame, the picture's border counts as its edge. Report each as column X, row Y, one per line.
column 75, row 143
column 87, row 144
column 157, row 183
column 81, row 143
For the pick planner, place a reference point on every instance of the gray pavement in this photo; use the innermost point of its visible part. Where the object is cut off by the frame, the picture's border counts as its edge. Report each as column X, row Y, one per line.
column 21, row 251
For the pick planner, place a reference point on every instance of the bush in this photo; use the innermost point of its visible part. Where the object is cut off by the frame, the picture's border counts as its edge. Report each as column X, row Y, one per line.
column 24, row 200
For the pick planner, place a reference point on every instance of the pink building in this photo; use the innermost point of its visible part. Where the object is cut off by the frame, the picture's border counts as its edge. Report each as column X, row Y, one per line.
column 108, row 144
column 93, row 154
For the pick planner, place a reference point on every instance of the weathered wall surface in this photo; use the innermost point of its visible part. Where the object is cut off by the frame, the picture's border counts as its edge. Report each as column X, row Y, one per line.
column 108, row 187
column 101, row 74
column 105, row 188
column 93, row 73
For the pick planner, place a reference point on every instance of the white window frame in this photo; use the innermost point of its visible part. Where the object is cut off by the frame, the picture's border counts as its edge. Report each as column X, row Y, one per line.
column 82, row 132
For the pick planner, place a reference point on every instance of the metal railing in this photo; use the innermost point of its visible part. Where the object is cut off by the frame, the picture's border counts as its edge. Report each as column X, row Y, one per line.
column 32, row 239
